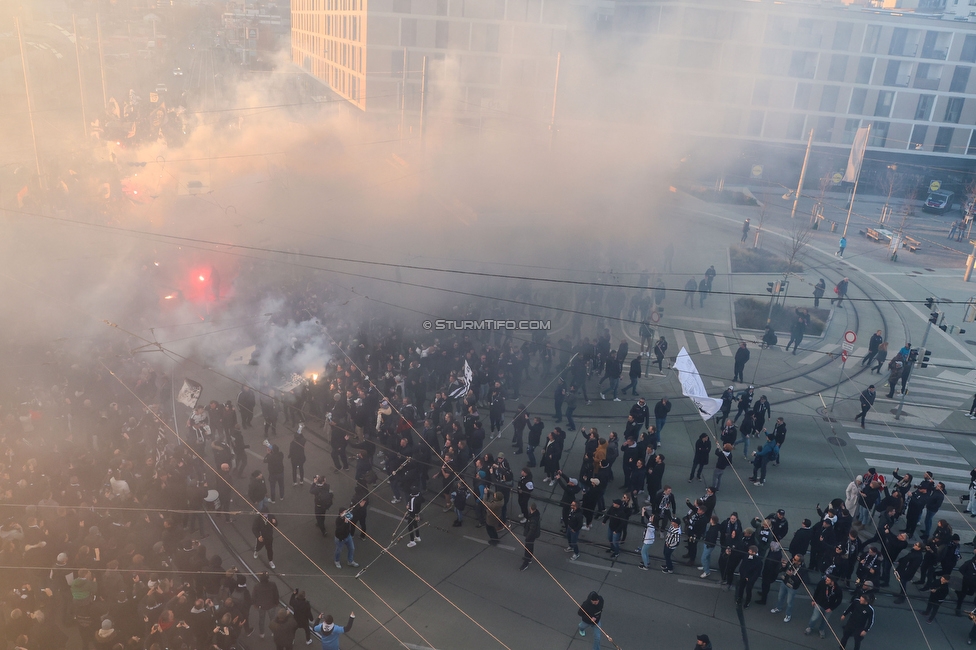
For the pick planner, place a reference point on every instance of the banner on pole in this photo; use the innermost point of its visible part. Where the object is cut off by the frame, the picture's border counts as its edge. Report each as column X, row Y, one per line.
column 468, row 378
column 190, row 393
column 857, row 154
column 693, row 388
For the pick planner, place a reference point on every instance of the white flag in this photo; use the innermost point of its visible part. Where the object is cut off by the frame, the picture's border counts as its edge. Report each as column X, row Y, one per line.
column 190, row 393
column 461, row 391
column 857, row 154
column 693, row 388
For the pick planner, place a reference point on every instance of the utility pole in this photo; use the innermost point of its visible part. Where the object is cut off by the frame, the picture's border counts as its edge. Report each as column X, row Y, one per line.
column 969, row 262
column 403, row 94
column 101, row 59
column 423, row 101
column 555, row 93
column 30, row 108
column 857, row 178
column 803, row 173
column 81, row 83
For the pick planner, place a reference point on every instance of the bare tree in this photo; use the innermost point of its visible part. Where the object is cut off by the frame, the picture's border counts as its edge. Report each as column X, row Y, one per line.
column 799, row 237
column 910, row 195
column 762, row 217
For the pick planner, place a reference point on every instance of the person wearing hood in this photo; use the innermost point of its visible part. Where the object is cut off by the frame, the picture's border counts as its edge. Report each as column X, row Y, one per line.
column 749, row 571
column 263, row 527
column 590, row 612
column 276, row 471
column 106, row 637
column 330, row 632
column 303, row 613
column 296, row 454
column 283, row 627
column 703, row 642
column 265, row 598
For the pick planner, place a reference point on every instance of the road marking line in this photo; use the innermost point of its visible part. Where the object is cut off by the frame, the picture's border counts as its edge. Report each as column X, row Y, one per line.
column 385, row 513
column 485, row 543
column 819, row 355
column 723, row 345
column 891, row 432
column 701, row 583
column 888, row 451
column 596, row 566
column 681, row 341
column 918, row 468
column 901, row 441
column 702, row 343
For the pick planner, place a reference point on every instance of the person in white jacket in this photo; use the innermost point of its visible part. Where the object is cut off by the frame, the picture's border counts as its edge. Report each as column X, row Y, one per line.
column 852, row 494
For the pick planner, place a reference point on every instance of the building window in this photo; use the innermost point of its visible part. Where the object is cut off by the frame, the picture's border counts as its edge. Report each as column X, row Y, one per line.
column 828, row 99
column 879, row 134
column 825, row 129
column 802, row 98
column 401, row 6
column 760, row 93
column 756, row 123
column 731, row 122
column 904, row 42
column 491, row 38
column 865, row 66
column 803, row 65
column 794, row 128
column 924, row 109
column 928, row 76
column 858, row 97
column 971, row 151
column 943, row 139
column 954, row 109
column 440, row 33
column 918, row 137
column 850, row 130
column 885, row 99
column 898, row 73
column 960, row 79
column 838, row 67
column 936, row 45
column 408, row 32
column 969, row 49
column 871, row 37
column 842, row 36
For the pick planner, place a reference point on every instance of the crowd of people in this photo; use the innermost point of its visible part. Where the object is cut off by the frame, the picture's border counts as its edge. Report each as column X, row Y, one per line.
column 105, row 515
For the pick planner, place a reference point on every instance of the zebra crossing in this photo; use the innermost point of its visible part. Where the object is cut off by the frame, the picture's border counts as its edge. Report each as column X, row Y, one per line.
column 708, row 343
column 886, row 448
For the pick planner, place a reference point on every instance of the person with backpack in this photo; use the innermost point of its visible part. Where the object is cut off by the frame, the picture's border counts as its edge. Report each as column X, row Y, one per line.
column 265, row 598
column 322, row 494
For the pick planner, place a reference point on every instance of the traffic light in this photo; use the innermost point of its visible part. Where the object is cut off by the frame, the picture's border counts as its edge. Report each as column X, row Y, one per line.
column 926, row 355
column 772, row 287
column 934, row 317
column 912, row 355
column 943, row 327
column 929, row 302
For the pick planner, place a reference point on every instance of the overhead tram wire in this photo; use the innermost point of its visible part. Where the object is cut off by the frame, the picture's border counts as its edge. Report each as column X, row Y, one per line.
column 483, row 274
column 282, row 534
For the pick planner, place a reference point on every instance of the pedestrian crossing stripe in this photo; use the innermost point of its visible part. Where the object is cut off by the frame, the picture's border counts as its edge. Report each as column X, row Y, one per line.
column 702, row 343
column 890, row 432
column 866, row 437
column 723, row 345
column 680, row 340
column 918, row 470
column 916, row 455
column 814, row 357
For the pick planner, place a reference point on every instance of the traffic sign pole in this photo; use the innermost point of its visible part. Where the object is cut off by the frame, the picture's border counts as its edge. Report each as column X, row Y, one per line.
column 840, row 377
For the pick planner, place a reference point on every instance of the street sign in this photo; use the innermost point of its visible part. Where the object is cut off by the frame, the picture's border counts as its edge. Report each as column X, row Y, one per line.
column 757, row 171
column 848, row 347
column 836, row 178
column 843, row 356
column 934, row 186
column 850, row 336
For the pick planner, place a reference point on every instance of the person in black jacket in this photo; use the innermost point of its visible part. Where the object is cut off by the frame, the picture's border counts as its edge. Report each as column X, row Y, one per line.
column 276, row 471
column 590, row 612
column 296, row 454
column 535, row 435
column 723, row 462
column 696, row 524
column 414, row 505
column 703, row 449
column 264, row 598
column 968, row 572
column 727, row 398
column 801, row 539
column 245, row 404
column 741, row 358
column 533, row 529
column 749, row 571
column 867, row 401
column 906, row 569
column 857, row 620
column 937, row 595
column 826, row 598
column 303, row 613
column 263, row 528
column 635, row 374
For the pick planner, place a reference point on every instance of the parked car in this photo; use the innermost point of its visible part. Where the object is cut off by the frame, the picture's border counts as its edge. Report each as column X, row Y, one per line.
column 177, row 72
column 938, row 202
column 161, row 88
